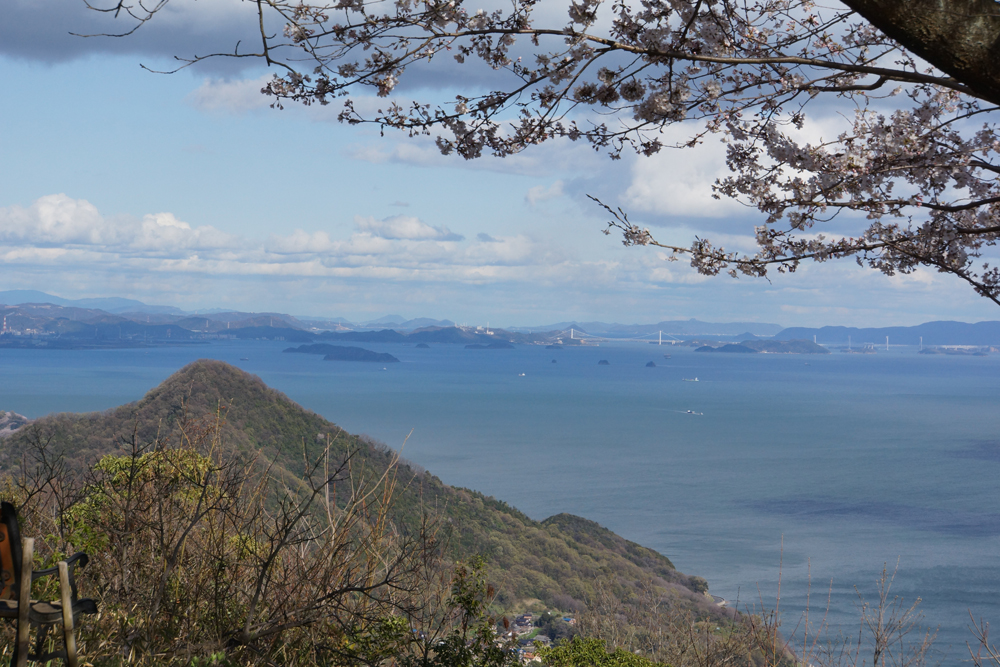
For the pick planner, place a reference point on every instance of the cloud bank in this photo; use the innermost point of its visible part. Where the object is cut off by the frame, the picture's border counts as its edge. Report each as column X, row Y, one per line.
column 60, row 232
column 52, row 31
column 382, row 263
column 65, row 224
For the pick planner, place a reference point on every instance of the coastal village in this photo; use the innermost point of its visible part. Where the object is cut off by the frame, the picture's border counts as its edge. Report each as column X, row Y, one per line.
column 527, row 630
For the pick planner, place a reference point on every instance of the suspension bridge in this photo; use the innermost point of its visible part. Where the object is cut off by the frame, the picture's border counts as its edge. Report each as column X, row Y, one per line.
column 658, row 338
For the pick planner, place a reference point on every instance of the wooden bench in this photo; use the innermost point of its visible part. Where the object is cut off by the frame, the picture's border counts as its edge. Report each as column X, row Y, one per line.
column 16, row 577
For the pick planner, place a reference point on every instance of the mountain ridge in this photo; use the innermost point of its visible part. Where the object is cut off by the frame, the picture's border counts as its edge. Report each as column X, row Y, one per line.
column 942, row 332
column 112, row 304
column 103, row 320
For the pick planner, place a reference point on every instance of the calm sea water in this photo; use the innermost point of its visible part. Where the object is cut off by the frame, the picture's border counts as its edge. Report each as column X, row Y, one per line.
column 822, row 468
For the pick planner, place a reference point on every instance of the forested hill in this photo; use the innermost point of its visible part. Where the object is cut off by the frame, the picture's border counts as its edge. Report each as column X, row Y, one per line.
column 557, row 560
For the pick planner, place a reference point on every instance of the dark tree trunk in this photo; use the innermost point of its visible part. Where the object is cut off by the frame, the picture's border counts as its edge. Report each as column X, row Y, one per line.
column 959, row 37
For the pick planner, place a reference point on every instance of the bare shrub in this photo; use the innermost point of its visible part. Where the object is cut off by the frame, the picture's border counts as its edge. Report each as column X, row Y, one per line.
column 197, row 550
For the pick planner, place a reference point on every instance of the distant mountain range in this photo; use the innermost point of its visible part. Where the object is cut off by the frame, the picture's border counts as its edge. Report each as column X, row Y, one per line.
column 118, row 305
column 34, row 325
column 111, row 304
column 109, row 318
column 396, row 322
column 931, row 333
column 228, row 318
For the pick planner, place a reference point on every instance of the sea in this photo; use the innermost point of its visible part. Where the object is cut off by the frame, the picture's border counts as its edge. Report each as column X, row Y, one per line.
column 784, row 480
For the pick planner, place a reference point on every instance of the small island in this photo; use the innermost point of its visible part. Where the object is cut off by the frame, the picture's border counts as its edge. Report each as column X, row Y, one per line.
column 499, row 345
column 423, row 346
column 651, row 364
column 341, row 353
column 603, row 362
column 732, row 348
column 960, row 351
column 767, row 347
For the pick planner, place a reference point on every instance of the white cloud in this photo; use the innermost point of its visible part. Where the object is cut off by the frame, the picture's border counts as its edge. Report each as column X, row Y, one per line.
column 540, row 193
column 55, row 219
column 405, row 227
column 678, row 182
column 57, row 230
column 299, row 242
column 554, row 156
column 59, row 220
column 235, row 96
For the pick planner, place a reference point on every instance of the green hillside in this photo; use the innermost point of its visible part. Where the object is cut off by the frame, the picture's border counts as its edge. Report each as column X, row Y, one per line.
column 556, row 561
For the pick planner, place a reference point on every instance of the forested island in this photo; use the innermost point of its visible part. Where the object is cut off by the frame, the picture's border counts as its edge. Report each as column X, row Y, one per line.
column 343, row 353
column 766, row 347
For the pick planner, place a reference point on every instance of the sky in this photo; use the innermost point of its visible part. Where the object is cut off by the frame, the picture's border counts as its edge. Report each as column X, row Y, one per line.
column 188, row 190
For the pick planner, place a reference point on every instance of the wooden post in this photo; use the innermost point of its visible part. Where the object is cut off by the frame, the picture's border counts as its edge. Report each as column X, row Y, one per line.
column 69, row 640
column 24, row 601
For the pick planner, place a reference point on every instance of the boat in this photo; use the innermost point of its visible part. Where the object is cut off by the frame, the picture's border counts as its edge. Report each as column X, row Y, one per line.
column 244, row 358
column 690, row 379
column 520, row 375
column 692, row 412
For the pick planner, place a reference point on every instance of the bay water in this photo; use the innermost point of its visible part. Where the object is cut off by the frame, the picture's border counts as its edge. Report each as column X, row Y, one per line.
column 819, row 470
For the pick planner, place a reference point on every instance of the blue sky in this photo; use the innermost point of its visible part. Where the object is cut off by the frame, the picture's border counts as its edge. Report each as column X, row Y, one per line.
column 188, row 190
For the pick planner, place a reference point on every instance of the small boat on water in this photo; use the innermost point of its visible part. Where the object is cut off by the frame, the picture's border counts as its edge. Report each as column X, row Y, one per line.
column 692, row 412
column 520, row 375
column 244, row 358
column 690, row 379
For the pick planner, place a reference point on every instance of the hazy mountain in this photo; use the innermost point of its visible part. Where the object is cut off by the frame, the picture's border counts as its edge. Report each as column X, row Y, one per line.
column 54, row 326
column 400, row 323
column 424, row 322
column 112, row 304
column 933, row 333
column 387, row 320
